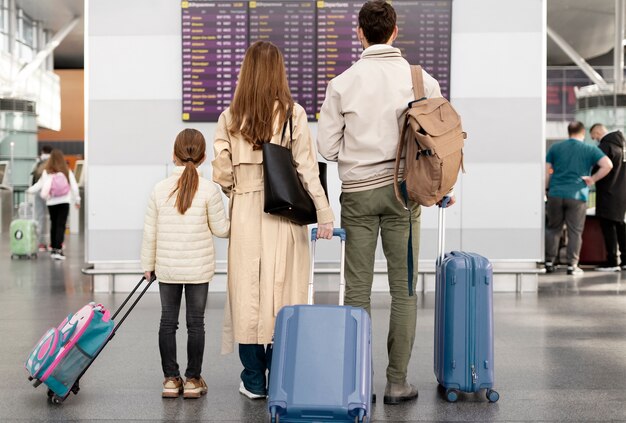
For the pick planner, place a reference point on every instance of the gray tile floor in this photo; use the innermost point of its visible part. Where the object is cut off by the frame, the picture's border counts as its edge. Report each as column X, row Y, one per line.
column 560, row 355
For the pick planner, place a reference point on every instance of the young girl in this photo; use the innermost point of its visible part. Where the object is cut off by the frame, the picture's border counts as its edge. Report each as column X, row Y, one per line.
column 184, row 211
column 57, row 185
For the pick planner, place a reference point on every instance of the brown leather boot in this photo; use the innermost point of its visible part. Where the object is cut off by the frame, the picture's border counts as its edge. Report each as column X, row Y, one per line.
column 395, row 393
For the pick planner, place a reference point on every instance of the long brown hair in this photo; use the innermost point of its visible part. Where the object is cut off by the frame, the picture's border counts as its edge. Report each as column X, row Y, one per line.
column 262, row 83
column 56, row 163
column 189, row 150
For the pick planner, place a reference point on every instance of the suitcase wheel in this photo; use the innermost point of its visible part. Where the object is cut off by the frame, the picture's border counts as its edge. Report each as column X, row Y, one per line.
column 492, row 395
column 55, row 399
column 13, row 257
column 361, row 417
column 274, row 415
column 452, row 395
column 50, row 393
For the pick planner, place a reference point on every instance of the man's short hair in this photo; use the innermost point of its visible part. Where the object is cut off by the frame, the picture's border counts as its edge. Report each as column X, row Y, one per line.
column 377, row 19
column 46, row 149
column 594, row 126
column 575, row 127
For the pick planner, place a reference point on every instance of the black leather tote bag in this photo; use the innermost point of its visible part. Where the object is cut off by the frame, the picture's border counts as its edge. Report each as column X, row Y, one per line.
column 284, row 194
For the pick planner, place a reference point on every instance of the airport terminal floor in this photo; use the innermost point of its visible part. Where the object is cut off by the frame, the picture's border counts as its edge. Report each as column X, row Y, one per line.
column 560, row 355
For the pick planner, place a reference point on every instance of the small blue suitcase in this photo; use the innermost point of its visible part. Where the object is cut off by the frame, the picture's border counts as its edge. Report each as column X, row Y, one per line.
column 322, row 360
column 463, row 322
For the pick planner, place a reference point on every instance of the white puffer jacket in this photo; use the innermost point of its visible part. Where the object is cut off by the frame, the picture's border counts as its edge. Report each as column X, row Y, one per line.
column 179, row 248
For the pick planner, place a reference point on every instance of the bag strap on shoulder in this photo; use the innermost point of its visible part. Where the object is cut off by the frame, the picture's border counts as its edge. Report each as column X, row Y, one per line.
column 282, row 136
column 418, row 83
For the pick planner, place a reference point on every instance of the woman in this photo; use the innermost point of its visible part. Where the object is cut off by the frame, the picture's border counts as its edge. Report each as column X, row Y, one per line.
column 268, row 256
column 58, row 187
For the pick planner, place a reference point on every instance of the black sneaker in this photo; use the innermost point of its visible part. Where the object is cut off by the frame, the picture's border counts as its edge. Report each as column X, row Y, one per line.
column 550, row 268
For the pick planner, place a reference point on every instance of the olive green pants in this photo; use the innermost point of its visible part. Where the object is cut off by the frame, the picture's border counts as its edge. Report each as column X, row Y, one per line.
column 364, row 215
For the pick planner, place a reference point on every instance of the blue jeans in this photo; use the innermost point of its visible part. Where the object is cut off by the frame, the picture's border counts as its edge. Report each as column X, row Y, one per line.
column 195, row 301
column 256, row 359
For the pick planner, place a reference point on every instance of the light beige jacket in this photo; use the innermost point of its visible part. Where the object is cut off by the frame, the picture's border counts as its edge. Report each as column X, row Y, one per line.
column 179, row 248
column 268, row 256
column 360, row 120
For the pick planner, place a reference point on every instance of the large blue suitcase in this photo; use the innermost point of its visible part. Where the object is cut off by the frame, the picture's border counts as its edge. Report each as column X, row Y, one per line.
column 463, row 322
column 322, row 360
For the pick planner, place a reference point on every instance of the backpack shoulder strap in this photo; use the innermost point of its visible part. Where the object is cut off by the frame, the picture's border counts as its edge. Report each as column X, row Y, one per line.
column 396, row 172
column 418, row 82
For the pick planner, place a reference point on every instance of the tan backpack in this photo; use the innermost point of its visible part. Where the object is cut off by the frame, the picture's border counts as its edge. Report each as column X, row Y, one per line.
column 434, row 141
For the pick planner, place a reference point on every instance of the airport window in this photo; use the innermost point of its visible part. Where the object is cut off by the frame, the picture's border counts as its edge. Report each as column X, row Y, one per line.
column 4, row 25
column 26, row 40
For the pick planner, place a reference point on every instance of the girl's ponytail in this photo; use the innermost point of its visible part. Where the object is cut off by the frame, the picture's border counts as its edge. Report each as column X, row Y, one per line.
column 189, row 149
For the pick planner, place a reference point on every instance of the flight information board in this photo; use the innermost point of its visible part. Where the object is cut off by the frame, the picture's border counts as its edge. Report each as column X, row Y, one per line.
column 317, row 38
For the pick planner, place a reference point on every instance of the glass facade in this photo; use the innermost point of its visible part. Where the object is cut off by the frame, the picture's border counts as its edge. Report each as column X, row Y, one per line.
column 560, row 89
column 4, row 25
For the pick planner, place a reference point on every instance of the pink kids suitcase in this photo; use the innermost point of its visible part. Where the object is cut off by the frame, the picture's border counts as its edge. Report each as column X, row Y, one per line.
column 64, row 353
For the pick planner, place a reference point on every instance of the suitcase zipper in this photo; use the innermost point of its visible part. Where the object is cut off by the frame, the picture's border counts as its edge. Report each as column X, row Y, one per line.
column 473, row 376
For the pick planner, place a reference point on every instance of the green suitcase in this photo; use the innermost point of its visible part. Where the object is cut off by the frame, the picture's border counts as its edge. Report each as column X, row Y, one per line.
column 23, row 238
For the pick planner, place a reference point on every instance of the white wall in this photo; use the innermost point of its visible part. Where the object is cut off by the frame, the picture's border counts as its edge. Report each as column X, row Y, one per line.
column 133, row 69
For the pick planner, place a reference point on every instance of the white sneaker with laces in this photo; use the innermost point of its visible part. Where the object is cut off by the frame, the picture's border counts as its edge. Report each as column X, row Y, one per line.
column 244, row 391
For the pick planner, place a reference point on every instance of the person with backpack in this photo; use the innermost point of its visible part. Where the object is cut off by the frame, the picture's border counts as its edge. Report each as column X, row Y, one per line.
column 58, row 187
column 359, row 127
column 184, row 212
column 40, row 203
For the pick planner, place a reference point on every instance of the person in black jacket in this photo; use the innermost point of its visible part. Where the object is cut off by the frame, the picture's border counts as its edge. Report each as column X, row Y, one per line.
column 611, row 196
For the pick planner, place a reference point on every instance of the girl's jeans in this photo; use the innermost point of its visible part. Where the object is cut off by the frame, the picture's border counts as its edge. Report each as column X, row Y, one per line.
column 195, row 303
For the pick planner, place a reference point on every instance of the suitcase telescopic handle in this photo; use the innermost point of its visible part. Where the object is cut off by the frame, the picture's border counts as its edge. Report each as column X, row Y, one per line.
column 119, row 309
column 341, row 233
column 441, row 230
column 337, row 232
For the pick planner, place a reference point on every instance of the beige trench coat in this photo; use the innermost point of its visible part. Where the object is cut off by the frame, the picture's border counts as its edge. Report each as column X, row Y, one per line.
column 268, row 256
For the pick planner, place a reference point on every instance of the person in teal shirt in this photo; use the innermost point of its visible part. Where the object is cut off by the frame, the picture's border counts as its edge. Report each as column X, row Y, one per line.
column 568, row 178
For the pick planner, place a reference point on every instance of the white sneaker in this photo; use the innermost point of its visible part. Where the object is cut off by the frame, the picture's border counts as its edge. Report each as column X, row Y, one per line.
column 57, row 255
column 607, row 269
column 244, row 391
column 575, row 271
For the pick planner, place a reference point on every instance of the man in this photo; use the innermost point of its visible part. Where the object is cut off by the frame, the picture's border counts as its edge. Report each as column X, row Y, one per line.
column 568, row 166
column 359, row 128
column 611, row 196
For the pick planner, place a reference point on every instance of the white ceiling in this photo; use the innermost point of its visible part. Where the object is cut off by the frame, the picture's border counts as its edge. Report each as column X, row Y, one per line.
column 588, row 25
column 55, row 14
